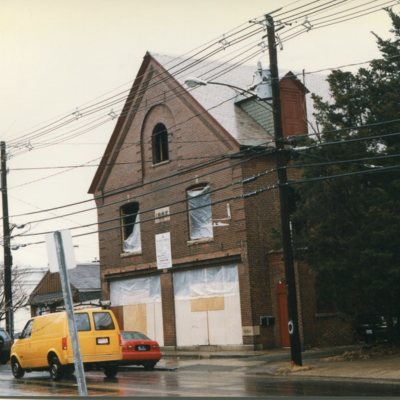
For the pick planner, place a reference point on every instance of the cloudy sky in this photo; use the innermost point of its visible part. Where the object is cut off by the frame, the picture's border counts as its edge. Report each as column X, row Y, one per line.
column 58, row 56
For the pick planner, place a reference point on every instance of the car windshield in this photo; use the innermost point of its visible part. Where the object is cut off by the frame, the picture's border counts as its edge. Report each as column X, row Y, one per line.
column 134, row 336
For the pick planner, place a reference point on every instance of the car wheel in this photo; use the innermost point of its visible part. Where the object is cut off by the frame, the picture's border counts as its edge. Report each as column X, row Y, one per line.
column 149, row 365
column 111, row 371
column 16, row 369
column 55, row 368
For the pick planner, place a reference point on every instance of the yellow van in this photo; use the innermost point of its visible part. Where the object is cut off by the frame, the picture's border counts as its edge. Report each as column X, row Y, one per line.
column 45, row 344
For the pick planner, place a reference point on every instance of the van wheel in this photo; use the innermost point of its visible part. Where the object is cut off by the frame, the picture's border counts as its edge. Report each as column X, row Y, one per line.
column 111, row 371
column 16, row 369
column 55, row 368
column 149, row 365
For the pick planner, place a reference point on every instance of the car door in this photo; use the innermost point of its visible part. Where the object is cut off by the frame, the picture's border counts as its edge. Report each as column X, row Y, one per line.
column 106, row 334
column 85, row 335
column 24, row 347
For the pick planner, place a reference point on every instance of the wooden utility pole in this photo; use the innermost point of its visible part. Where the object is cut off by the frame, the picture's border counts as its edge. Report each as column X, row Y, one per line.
column 8, row 305
column 293, row 325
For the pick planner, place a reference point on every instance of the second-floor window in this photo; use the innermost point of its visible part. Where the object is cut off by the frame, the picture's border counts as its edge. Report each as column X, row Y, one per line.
column 131, row 241
column 200, row 217
column 160, row 144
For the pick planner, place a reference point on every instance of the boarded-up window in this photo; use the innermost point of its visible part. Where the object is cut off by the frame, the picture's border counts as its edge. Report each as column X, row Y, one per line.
column 131, row 241
column 200, row 217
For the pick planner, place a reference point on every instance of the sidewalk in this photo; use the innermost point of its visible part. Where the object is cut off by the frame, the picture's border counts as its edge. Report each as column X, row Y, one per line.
column 378, row 364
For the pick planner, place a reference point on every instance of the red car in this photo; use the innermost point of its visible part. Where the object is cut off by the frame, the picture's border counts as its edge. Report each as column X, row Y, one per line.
column 138, row 349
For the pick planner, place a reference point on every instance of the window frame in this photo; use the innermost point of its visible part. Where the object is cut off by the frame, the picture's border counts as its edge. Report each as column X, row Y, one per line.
column 129, row 220
column 159, row 144
column 195, row 232
column 96, row 321
column 82, row 317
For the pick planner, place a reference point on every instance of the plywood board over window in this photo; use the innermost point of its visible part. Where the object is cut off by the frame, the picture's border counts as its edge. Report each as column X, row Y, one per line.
column 207, row 306
column 135, row 318
column 140, row 299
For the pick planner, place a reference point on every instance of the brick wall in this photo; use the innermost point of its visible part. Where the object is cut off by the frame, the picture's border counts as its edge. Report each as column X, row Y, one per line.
column 249, row 234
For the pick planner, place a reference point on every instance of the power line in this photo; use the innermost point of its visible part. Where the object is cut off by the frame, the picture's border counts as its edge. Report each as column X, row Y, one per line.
column 254, row 193
column 130, row 186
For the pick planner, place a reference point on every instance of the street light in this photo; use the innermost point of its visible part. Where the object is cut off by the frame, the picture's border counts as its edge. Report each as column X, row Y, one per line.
column 269, row 89
column 261, row 90
column 195, row 82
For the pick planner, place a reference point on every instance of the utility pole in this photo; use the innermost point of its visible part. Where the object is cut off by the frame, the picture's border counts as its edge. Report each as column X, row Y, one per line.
column 293, row 325
column 6, row 244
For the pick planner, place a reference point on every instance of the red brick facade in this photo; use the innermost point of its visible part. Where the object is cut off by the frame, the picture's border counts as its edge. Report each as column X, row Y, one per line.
column 198, row 154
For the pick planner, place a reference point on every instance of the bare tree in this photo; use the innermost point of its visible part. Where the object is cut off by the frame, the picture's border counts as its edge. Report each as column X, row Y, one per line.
column 19, row 292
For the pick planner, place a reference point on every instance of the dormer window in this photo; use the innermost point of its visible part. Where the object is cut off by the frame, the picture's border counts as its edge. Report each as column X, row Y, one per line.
column 160, row 144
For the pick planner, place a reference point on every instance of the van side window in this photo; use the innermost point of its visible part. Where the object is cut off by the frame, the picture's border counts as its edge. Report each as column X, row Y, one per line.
column 26, row 333
column 103, row 321
column 82, row 322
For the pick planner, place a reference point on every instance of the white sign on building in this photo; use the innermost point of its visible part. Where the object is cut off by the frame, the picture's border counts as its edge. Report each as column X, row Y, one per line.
column 163, row 250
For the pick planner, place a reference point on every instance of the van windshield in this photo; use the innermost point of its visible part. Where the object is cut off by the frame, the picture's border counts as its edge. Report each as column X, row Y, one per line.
column 103, row 321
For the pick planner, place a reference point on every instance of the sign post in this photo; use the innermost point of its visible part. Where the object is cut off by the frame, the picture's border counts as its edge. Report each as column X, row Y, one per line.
column 56, row 247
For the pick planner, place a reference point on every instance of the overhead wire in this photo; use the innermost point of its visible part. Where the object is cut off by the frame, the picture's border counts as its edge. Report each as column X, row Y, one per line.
column 165, row 187
column 254, row 193
column 340, row 142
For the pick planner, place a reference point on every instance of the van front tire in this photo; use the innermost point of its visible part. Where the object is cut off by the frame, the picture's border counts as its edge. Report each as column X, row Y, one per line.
column 16, row 368
column 55, row 368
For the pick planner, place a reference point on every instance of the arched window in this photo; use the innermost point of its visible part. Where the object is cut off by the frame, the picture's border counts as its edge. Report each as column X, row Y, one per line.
column 160, row 144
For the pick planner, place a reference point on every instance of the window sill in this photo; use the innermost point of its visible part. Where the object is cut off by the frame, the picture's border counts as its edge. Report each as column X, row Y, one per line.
column 161, row 163
column 133, row 253
column 199, row 241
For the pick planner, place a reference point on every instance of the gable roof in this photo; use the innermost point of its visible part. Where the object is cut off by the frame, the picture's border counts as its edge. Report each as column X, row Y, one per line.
column 217, row 101
column 85, row 278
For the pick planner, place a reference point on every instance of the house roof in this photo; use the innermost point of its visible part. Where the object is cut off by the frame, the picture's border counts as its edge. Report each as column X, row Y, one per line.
column 85, row 276
column 217, row 101
column 84, row 279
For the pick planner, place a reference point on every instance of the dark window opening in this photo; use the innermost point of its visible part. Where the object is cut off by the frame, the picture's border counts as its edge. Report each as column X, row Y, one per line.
column 130, row 227
column 160, row 144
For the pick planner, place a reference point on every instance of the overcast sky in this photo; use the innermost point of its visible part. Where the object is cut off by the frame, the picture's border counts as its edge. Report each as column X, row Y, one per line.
column 59, row 55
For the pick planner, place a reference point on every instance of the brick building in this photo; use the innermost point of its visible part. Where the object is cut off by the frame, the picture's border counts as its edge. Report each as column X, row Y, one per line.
column 194, row 171
column 48, row 296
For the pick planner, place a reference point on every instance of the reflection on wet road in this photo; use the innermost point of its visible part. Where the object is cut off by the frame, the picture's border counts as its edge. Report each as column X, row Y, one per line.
column 190, row 382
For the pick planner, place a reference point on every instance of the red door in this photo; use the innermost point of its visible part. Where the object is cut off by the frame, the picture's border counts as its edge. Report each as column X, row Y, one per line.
column 283, row 314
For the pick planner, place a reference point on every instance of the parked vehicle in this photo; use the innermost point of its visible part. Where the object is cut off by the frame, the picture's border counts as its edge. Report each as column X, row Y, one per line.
column 5, row 346
column 138, row 349
column 375, row 328
column 45, row 344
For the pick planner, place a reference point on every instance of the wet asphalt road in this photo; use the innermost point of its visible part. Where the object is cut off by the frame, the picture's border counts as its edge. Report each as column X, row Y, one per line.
column 191, row 381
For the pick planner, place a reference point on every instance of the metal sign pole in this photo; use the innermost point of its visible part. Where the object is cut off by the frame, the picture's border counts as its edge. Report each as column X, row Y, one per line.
column 79, row 371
